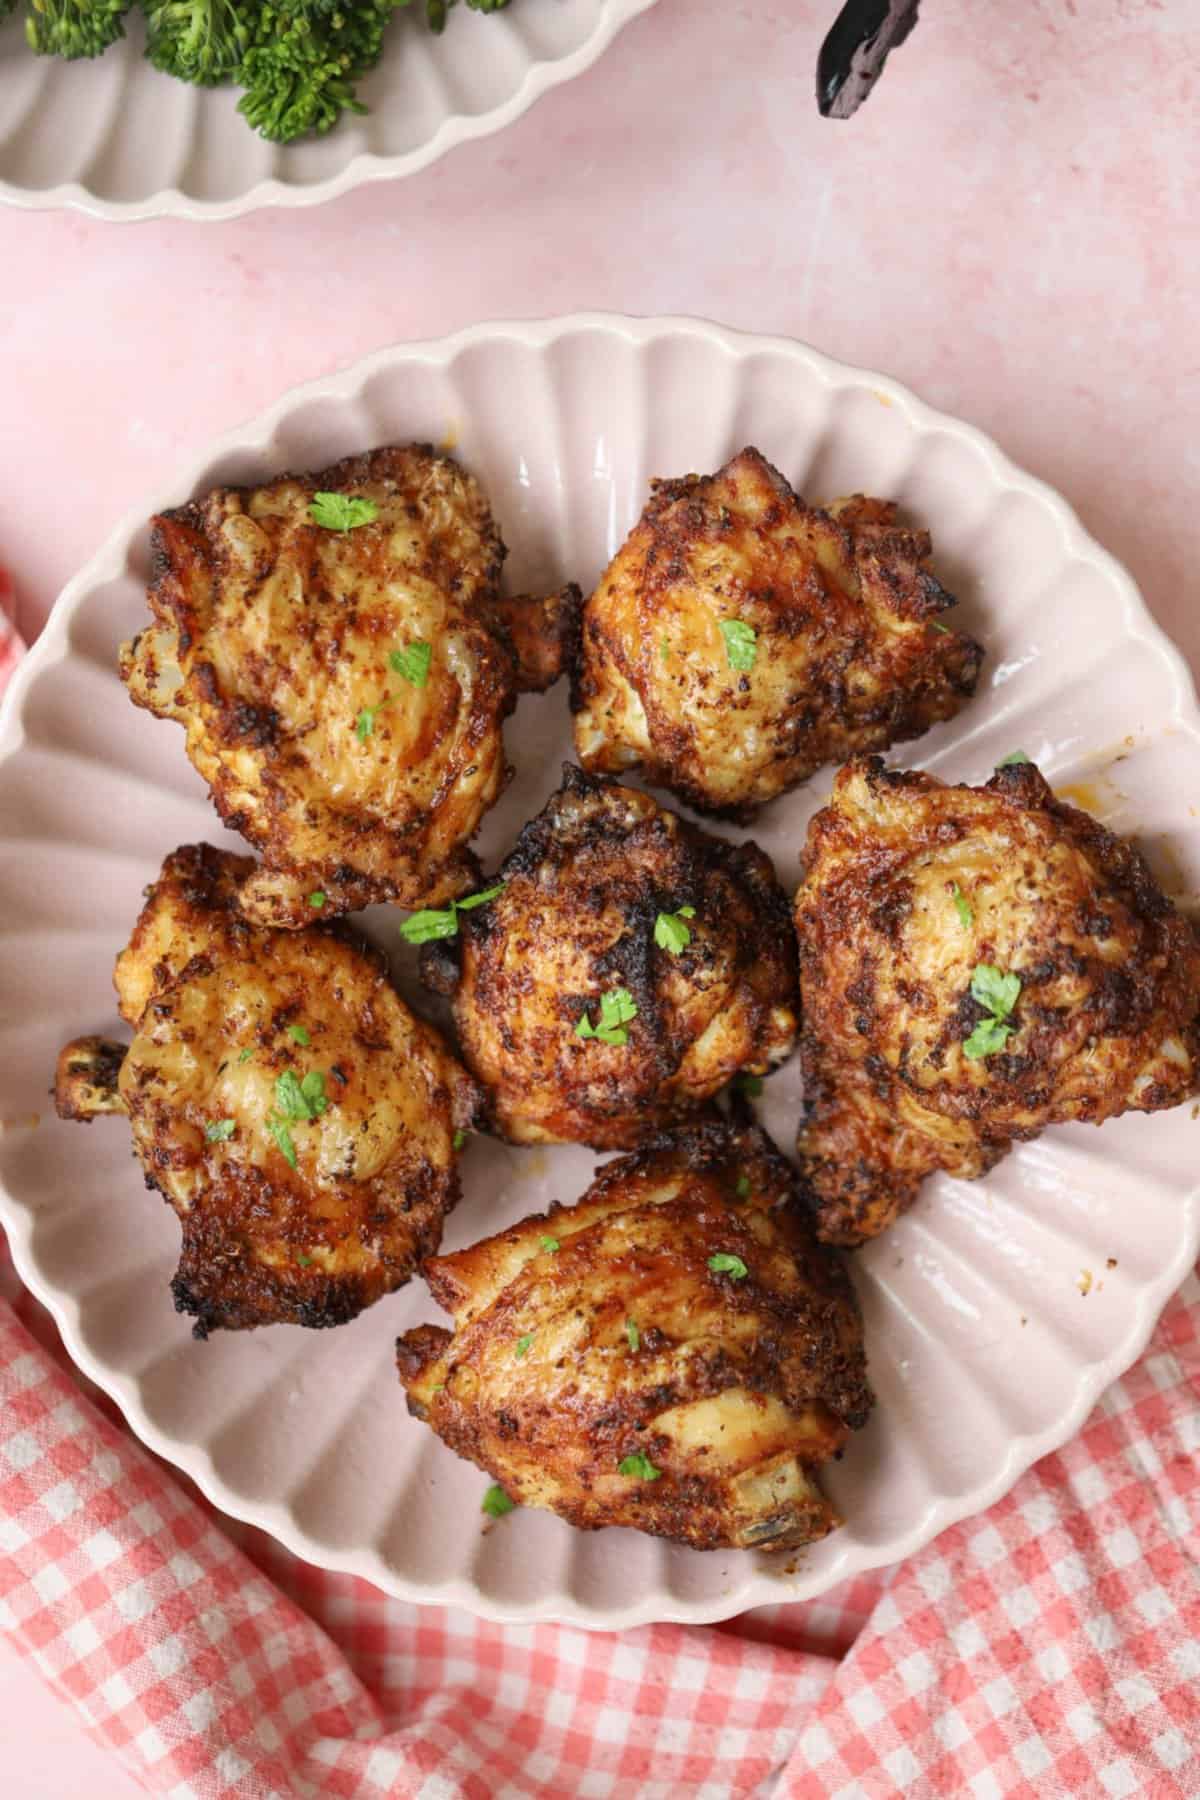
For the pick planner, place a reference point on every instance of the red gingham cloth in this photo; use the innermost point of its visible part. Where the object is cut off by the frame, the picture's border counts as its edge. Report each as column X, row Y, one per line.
column 1049, row 1647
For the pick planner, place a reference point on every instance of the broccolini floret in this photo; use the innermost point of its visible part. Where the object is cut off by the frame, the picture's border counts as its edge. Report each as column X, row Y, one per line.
column 201, row 41
column 300, row 70
column 436, row 10
column 73, row 28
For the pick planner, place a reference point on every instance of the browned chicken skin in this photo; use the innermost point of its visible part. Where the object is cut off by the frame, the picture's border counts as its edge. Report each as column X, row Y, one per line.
column 847, row 653
column 283, row 1100
column 911, row 887
column 576, row 926
column 344, row 691
column 600, row 1337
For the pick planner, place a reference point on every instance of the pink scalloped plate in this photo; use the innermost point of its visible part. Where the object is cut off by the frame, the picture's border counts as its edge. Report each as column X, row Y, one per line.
column 986, row 1351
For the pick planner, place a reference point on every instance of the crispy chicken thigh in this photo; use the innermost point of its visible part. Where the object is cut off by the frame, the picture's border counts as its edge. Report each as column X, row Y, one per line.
column 343, row 689
column 977, row 964
column 674, row 1352
column 740, row 640
column 631, row 966
column 282, row 1099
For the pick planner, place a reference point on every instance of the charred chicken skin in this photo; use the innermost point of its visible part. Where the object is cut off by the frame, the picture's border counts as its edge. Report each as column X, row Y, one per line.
column 673, row 1353
column 629, row 967
column 977, row 964
column 741, row 640
column 282, row 1099
column 337, row 650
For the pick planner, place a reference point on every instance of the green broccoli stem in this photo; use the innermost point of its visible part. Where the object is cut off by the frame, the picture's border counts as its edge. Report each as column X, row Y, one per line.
column 74, row 28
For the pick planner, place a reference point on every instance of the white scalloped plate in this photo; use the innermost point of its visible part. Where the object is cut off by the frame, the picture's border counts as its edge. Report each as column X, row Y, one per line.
column 116, row 138
column 984, row 1350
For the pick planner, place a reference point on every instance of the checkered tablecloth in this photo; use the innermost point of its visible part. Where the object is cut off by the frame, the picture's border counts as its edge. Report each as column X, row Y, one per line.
column 1048, row 1647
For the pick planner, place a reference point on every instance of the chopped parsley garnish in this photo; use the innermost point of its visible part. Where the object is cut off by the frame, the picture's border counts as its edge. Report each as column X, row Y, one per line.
column 283, row 1137
column 616, row 1010
column 413, row 661
column 342, row 512
column 316, row 900
column 633, row 1334
column 523, row 1343
column 299, row 1034
column 304, row 1261
column 246, row 1054
column 664, row 650
column 496, row 1502
column 998, row 992
column 298, row 1099
column 962, row 906
column 639, row 1467
column 1014, row 756
column 219, row 1130
column 741, row 643
column 442, row 921
column 550, row 1245
column 742, row 1187
column 936, row 625
column 458, row 1140
column 670, row 932
column 749, row 1084
column 725, row 1263
column 364, row 725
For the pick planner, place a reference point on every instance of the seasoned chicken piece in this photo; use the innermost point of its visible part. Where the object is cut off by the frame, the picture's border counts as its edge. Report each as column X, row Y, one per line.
column 335, row 646
column 673, row 1353
column 740, row 640
column 977, row 963
column 630, row 967
column 282, row 1099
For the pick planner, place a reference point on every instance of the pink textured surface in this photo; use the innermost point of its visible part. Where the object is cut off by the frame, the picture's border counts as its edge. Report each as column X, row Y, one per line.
column 1009, row 227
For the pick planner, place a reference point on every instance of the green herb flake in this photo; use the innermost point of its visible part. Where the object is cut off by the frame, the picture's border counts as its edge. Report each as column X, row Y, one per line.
column 474, row 900
column 283, row 1137
column 638, row 1467
column 245, row 1055
column 998, row 991
column 342, row 512
column 742, row 1187
column 313, row 1089
column 550, row 1245
column 633, row 1334
column 304, row 1261
column 670, row 932
column 741, row 643
column 725, row 1263
column 289, row 1096
column 962, row 906
column 1014, row 756
column 430, row 923
column 219, row 1130
column 413, row 662
column 364, row 725
column 664, row 650
column 751, row 1085
column 496, row 1502
column 458, row 1140
column 942, row 630
column 523, row 1344
column 434, row 922
column 299, row 1034
column 616, row 1010
column 316, row 899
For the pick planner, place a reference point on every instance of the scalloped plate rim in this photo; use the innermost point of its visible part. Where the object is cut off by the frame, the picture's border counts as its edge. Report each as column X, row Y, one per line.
column 760, row 1589
column 367, row 167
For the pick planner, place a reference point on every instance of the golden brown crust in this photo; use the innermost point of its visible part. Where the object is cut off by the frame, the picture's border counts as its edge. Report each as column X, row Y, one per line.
column 849, row 654
column 583, row 889
column 624, row 1341
column 911, row 885
column 235, row 1019
column 544, row 634
column 275, row 643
